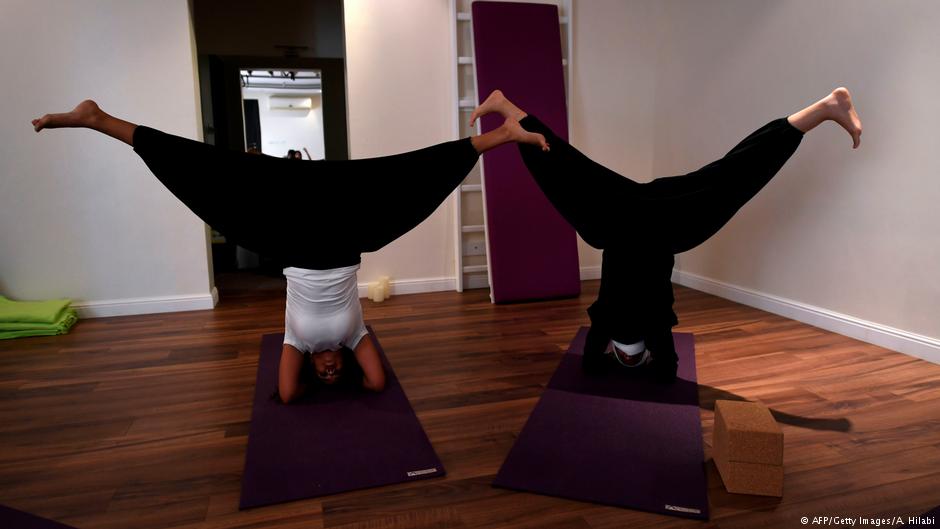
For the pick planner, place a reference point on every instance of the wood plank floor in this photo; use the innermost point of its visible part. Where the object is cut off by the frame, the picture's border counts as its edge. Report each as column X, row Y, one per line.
column 142, row 421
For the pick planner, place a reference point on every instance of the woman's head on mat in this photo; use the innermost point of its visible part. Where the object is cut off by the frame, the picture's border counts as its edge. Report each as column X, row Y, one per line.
column 332, row 368
column 327, row 366
column 324, row 370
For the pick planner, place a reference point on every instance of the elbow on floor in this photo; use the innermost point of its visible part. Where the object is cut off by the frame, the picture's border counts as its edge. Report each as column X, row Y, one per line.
column 289, row 395
column 374, row 385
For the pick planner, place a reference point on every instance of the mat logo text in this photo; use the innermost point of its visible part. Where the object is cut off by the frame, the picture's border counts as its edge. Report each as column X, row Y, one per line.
column 683, row 509
column 412, row 473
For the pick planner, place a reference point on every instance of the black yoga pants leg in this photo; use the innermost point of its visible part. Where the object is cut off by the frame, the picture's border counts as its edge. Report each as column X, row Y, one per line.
column 309, row 214
column 635, row 293
column 583, row 191
column 641, row 226
column 688, row 209
column 674, row 213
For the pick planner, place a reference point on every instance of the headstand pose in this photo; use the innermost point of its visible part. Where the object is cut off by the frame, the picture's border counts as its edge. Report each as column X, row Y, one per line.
column 640, row 227
column 315, row 216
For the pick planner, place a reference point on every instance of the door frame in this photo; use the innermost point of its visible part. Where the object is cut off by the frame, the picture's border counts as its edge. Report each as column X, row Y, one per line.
column 223, row 120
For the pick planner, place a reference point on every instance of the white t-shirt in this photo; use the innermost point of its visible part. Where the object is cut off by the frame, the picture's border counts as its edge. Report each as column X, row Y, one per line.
column 323, row 311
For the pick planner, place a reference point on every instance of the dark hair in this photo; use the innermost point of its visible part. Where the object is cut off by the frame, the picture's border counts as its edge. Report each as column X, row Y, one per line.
column 349, row 381
column 351, row 376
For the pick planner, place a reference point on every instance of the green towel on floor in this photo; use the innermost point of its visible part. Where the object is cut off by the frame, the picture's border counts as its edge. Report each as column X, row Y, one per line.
column 35, row 318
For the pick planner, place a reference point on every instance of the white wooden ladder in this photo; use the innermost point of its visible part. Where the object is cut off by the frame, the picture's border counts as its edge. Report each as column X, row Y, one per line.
column 472, row 268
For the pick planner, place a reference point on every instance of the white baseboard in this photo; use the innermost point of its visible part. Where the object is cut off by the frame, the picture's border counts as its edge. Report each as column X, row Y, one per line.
column 442, row 284
column 590, row 272
column 152, row 305
column 415, row 286
column 921, row 346
column 917, row 345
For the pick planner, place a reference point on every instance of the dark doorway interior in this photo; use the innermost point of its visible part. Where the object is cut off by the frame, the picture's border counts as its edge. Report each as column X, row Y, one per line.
column 223, row 119
column 252, row 125
column 226, row 124
column 234, row 35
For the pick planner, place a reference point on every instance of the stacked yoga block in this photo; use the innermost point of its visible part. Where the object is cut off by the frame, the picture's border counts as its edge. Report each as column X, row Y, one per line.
column 748, row 448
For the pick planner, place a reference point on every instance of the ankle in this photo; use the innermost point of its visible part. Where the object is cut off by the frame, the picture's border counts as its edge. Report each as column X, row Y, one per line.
column 829, row 107
column 95, row 119
column 506, row 134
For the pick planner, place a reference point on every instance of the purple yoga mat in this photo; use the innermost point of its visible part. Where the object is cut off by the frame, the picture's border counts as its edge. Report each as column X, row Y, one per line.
column 14, row 519
column 333, row 441
column 616, row 439
column 533, row 251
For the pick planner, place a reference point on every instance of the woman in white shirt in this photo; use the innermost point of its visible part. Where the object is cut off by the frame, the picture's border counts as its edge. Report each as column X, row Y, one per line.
column 317, row 216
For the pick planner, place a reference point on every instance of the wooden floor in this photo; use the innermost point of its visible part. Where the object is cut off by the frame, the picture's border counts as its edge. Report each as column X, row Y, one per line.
column 141, row 422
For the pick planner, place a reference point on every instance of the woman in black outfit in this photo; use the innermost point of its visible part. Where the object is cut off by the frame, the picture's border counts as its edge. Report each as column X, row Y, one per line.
column 640, row 227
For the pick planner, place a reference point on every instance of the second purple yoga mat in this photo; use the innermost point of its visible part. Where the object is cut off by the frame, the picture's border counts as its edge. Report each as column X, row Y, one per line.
column 14, row 519
column 333, row 441
column 615, row 439
column 533, row 251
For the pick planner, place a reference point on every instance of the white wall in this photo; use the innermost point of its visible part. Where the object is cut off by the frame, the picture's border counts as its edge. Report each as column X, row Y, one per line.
column 399, row 85
column 282, row 130
column 840, row 238
column 658, row 88
column 404, row 47
column 80, row 214
column 611, row 88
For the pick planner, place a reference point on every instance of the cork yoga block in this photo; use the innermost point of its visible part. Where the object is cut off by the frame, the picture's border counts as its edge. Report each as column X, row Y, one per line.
column 751, row 478
column 748, row 448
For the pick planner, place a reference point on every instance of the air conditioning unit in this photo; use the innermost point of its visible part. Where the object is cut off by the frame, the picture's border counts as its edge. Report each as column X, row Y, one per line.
column 289, row 103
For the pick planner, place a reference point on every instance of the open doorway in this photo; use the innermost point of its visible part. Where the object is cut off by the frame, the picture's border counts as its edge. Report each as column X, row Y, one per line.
column 283, row 117
column 235, row 36
column 273, row 107
column 283, row 113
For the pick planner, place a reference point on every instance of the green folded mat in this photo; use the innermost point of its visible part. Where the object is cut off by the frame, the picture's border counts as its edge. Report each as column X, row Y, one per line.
column 32, row 311
column 35, row 318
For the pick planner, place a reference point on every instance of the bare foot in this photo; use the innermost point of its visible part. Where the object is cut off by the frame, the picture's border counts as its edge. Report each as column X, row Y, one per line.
column 520, row 135
column 84, row 115
column 497, row 102
column 841, row 110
